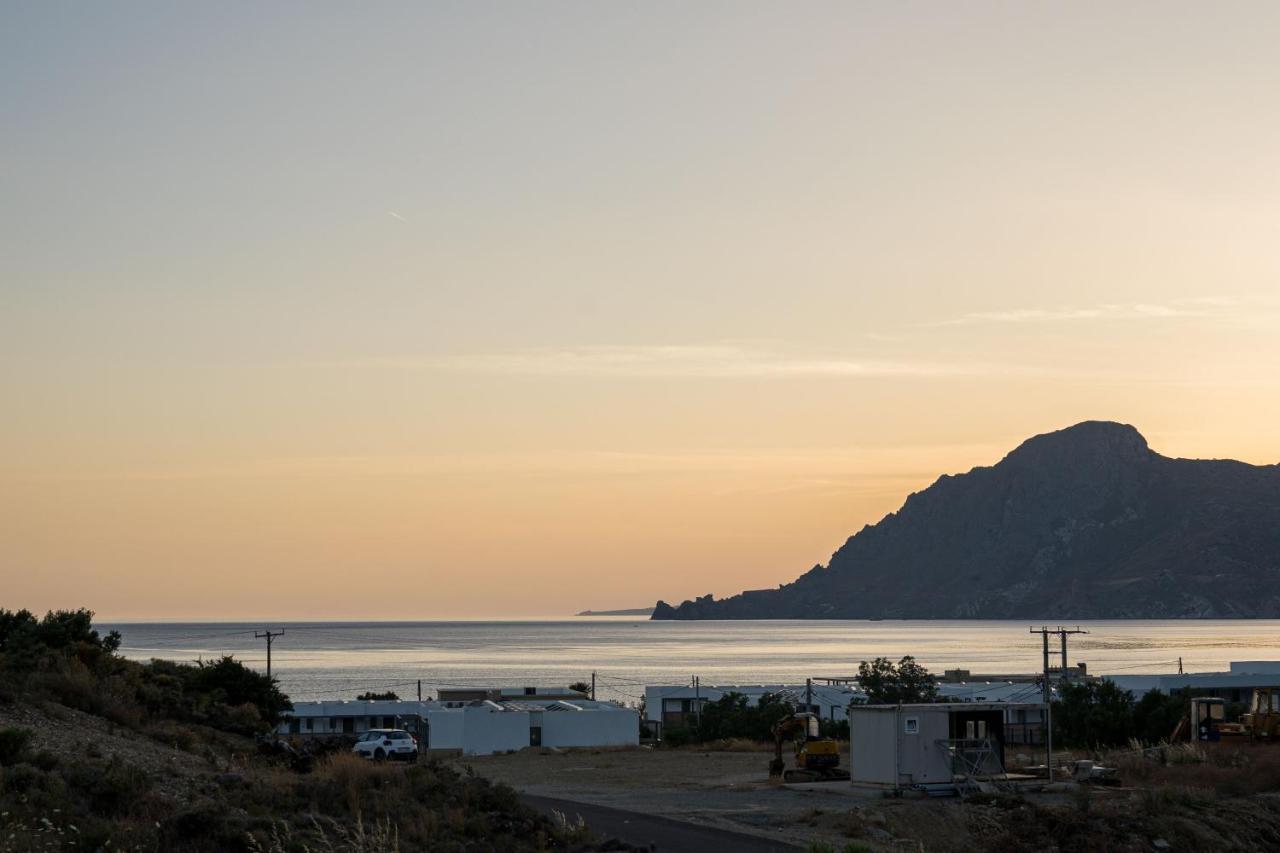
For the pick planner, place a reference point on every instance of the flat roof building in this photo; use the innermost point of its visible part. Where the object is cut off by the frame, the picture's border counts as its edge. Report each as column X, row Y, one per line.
column 481, row 727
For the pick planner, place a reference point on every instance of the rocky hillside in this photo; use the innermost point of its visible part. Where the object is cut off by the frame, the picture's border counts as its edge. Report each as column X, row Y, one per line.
column 1083, row 523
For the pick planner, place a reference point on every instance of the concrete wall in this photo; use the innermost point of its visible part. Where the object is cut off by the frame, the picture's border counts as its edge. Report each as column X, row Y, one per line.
column 445, row 730
column 487, row 730
column 591, row 728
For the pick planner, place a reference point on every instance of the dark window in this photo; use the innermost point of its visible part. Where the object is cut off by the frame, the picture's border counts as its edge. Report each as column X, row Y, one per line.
column 531, row 691
column 388, row 722
column 348, row 725
column 311, row 724
column 294, row 725
column 535, row 735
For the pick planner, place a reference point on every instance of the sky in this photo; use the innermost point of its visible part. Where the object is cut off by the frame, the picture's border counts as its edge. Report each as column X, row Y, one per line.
column 455, row 310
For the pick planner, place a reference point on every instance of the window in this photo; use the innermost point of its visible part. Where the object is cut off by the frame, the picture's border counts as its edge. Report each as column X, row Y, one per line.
column 311, row 724
column 531, row 691
column 535, row 735
column 911, row 726
column 294, row 726
column 388, row 722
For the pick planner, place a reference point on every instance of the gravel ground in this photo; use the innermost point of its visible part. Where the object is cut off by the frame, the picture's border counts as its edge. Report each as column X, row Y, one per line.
column 74, row 737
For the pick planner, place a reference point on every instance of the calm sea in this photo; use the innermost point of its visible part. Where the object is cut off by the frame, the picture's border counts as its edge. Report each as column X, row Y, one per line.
column 336, row 660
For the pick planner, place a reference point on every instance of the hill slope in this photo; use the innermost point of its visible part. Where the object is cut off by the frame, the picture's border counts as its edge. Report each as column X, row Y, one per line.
column 1087, row 522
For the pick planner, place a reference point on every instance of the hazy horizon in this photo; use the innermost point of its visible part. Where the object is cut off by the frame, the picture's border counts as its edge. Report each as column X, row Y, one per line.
column 480, row 309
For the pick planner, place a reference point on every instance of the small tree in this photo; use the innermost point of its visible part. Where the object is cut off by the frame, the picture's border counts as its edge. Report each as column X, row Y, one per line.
column 371, row 696
column 1093, row 714
column 581, row 687
column 887, row 683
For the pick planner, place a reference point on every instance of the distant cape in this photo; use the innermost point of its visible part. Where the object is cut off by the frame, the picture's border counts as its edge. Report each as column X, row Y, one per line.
column 1084, row 523
column 635, row 611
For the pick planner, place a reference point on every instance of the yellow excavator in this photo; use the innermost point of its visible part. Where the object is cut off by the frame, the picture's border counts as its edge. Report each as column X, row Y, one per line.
column 1263, row 720
column 817, row 757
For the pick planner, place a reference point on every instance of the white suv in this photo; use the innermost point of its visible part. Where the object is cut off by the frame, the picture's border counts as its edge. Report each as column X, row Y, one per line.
column 381, row 744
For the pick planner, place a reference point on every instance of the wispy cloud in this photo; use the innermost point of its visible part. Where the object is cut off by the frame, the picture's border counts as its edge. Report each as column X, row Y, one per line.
column 1199, row 306
column 714, row 361
column 396, row 215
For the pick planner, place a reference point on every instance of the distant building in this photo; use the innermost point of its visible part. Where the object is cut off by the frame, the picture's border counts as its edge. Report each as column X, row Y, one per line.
column 481, row 727
column 502, row 694
column 1235, row 685
column 677, row 704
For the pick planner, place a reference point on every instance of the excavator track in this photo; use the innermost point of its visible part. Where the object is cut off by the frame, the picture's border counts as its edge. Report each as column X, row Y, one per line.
column 830, row 774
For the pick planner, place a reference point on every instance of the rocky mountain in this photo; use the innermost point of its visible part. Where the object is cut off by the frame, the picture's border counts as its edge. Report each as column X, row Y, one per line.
column 1084, row 523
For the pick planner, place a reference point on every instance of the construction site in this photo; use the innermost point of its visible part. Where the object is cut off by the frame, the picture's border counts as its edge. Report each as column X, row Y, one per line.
column 956, row 774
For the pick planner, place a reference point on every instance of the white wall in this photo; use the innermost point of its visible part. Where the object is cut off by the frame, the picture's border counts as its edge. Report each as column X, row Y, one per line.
column 487, row 730
column 873, row 746
column 445, row 729
column 591, row 728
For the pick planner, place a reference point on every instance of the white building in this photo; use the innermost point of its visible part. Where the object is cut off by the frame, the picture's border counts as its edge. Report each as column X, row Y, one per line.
column 1235, row 685
column 474, row 728
column 675, row 704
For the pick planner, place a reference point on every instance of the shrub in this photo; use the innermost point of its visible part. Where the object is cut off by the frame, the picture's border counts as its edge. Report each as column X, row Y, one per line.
column 1093, row 714
column 113, row 790
column 13, row 745
column 677, row 736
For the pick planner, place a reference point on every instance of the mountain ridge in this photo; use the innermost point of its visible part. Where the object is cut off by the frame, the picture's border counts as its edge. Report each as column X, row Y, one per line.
column 1083, row 522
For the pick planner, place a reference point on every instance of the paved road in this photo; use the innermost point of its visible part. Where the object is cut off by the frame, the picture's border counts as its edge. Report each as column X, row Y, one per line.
column 662, row 833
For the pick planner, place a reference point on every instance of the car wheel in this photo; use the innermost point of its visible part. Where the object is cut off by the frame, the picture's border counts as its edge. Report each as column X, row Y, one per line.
column 379, row 754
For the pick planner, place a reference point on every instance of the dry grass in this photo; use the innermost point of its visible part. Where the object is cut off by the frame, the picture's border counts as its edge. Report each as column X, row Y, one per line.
column 732, row 744
column 359, row 779
column 1215, row 769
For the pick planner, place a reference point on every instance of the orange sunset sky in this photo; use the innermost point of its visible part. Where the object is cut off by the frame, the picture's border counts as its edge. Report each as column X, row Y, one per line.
column 470, row 309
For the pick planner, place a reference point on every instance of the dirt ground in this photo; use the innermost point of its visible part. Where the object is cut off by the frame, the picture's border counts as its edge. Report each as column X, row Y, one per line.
column 725, row 790
column 730, row 790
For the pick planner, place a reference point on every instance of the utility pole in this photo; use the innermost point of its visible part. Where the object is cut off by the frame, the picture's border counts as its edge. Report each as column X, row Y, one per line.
column 808, row 695
column 1179, row 665
column 269, row 636
column 697, row 700
column 593, row 686
column 419, row 689
column 1044, row 632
